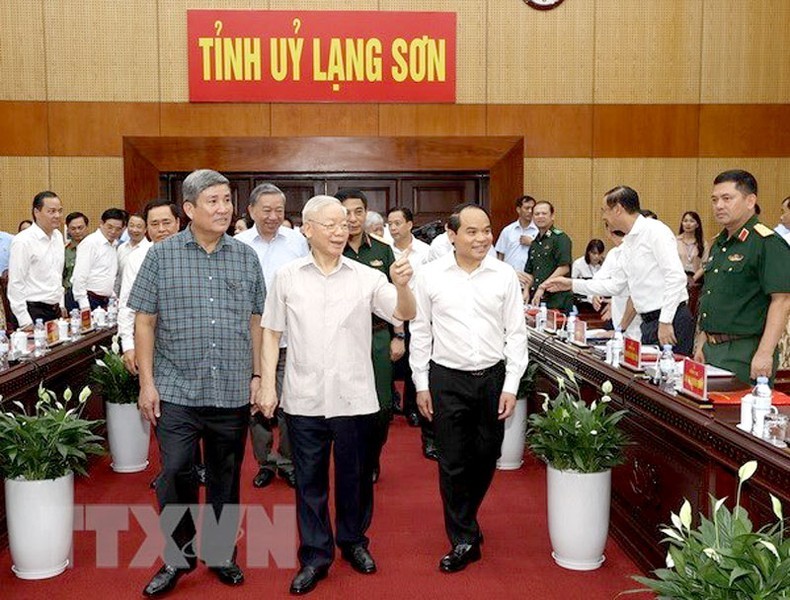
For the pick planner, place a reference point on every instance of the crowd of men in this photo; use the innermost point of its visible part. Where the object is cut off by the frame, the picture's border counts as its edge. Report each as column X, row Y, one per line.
column 300, row 333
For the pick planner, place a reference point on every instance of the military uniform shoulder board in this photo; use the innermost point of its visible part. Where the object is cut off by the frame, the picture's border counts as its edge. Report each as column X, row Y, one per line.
column 763, row 230
column 556, row 230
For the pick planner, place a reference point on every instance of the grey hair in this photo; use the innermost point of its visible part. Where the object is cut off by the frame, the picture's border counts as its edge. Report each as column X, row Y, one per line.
column 265, row 189
column 316, row 203
column 200, row 180
column 372, row 219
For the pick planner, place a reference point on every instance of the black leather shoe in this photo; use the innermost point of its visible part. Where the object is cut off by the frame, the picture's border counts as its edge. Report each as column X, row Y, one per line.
column 229, row 573
column 306, row 579
column 429, row 452
column 165, row 580
column 459, row 557
column 413, row 419
column 360, row 559
column 288, row 476
column 263, row 478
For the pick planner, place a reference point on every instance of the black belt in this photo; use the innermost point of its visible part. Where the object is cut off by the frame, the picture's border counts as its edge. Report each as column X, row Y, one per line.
column 379, row 325
column 653, row 315
column 44, row 305
column 480, row 373
column 721, row 338
column 97, row 297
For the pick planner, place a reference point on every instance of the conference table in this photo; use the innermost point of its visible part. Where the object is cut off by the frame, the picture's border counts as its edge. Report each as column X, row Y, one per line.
column 65, row 365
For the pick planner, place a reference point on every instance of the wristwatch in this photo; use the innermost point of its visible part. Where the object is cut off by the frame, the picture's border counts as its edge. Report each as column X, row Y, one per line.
column 399, row 335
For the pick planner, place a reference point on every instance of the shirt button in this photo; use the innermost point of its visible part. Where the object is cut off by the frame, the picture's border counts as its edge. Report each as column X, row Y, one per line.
column 704, row 314
column 213, row 345
column 724, row 249
column 213, row 321
column 213, row 368
column 715, row 270
column 210, row 278
column 211, row 299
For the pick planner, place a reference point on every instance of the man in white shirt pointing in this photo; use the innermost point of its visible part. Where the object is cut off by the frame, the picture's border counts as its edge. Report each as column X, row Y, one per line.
column 468, row 353
column 649, row 269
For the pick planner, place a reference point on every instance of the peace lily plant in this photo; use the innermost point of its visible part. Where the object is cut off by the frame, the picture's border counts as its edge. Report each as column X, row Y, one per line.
column 573, row 436
column 114, row 381
column 724, row 558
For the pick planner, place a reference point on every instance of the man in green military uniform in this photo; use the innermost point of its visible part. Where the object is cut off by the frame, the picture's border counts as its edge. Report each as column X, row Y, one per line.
column 77, row 228
column 550, row 255
column 371, row 252
column 745, row 299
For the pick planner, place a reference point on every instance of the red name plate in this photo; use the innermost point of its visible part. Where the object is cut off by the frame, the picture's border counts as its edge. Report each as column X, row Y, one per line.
column 632, row 353
column 695, row 381
column 580, row 333
column 53, row 334
column 321, row 56
column 85, row 319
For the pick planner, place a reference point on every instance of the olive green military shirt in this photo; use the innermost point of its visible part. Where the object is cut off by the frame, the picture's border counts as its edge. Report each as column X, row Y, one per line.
column 372, row 253
column 68, row 265
column 550, row 250
column 742, row 272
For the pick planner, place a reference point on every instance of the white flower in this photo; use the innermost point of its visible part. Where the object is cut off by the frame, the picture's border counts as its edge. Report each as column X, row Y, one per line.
column 670, row 562
column 606, row 399
column 116, row 348
column 86, row 391
column 593, row 405
column 578, row 425
column 606, row 388
column 594, row 432
column 711, row 553
column 101, row 363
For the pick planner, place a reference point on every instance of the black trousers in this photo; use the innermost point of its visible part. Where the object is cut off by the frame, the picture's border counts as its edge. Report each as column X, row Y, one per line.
column 683, row 324
column 45, row 312
column 402, row 370
column 469, row 440
column 312, row 441
column 179, row 431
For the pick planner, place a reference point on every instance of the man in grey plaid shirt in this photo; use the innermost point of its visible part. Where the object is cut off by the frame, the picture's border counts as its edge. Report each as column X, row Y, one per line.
column 199, row 298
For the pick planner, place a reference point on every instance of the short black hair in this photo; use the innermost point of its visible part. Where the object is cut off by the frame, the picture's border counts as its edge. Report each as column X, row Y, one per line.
column 38, row 199
column 407, row 214
column 744, row 181
column 76, row 215
column 157, row 202
column 454, row 222
column 522, row 199
column 594, row 245
column 546, row 202
column 344, row 194
column 624, row 196
column 115, row 213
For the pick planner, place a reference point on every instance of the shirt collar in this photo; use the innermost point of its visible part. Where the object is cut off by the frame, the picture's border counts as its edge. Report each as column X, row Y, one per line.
column 309, row 261
column 365, row 241
column 189, row 238
column 639, row 225
column 40, row 233
column 739, row 235
column 450, row 263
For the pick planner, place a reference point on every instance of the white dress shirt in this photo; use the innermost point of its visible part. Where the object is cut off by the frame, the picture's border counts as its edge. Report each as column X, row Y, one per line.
column 328, row 371
column 468, row 321
column 94, row 269
column 123, row 252
column 648, row 269
column 417, row 257
column 441, row 245
column 619, row 301
column 581, row 269
column 509, row 244
column 125, row 314
column 35, row 271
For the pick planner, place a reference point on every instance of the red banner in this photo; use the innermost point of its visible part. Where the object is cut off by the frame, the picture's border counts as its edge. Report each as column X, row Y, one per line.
column 320, row 56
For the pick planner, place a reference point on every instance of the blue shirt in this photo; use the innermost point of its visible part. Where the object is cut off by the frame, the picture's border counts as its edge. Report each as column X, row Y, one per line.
column 509, row 244
column 285, row 246
column 5, row 250
column 203, row 303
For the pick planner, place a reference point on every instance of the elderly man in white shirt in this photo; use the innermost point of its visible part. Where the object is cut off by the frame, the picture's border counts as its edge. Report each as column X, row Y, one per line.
column 516, row 239
column 468, row 353
column 325, row 301
column 136, row 228
column 275, row 246
column 93, row 279
column 162, row 221
column 35, row 265
column 649, row 269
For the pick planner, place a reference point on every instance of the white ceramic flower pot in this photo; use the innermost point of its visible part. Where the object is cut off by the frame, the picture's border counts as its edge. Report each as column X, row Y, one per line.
column 578, row 515
column 512, row 454
column 40, row 517
column 129, row 435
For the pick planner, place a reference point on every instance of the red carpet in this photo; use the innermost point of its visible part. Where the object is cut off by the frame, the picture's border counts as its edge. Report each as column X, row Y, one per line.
column 407, row 540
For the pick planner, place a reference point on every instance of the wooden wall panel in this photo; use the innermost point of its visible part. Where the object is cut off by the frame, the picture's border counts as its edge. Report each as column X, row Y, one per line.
column 670, row 130
column 432, row 119
column 565, row 182
column 215, row 120
column 665, row 185
column 96, row 128
column 471, row 62
column 745, row 46
column 104, row 51
column 24, row 127
column 773, row 183
column 22, row 60
column 324, row 119
column 89, row 185
column 647, row 52
column 553, row 130
column 744, row 130
column 21, row 178
column 539, row 57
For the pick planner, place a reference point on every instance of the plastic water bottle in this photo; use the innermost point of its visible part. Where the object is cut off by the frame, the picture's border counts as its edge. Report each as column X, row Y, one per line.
column 39, row 338
column 112, row 312
column 666, row 369
column 570, row 324
column 762, row 405
column 541, row 317
column 4, row 350
column 74, row 324
column 617, row 347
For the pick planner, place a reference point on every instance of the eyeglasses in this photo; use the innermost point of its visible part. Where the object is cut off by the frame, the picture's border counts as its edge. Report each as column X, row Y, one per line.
column 331, row 227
